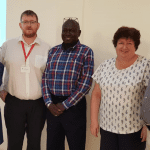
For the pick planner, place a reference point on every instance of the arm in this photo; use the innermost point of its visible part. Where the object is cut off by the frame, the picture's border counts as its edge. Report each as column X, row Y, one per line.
column 45, row 90
column 95, row 104
column 2, row 53
column 146, row 103
column 1, row 72
column 46, row 93
column 84, row 83
column 3, row 93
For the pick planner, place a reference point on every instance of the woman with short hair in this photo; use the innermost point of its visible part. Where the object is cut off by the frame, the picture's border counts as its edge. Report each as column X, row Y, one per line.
column 118, row 92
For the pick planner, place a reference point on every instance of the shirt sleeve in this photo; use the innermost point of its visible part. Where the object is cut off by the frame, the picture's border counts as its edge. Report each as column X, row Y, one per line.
column 84, row 83
column 2, row 63
column 45, row 89
column 97, row 74
column 2, row 52
column 146, row 76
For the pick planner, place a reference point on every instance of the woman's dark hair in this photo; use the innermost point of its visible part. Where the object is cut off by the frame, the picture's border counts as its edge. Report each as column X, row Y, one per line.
column 126, row 32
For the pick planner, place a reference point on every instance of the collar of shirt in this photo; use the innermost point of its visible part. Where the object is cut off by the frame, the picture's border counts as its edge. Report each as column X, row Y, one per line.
column 37, row 40
column 71, row 48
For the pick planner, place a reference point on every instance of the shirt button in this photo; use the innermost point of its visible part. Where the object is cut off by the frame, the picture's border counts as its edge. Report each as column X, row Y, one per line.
column 143, row 110
column 145, row 96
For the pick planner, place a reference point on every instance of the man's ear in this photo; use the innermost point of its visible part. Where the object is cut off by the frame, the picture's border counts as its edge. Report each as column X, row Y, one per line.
column 20, row 25
column 38, row 25
column 79, row 32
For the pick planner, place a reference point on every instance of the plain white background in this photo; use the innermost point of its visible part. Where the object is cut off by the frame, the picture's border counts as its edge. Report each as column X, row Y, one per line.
column 99, row 20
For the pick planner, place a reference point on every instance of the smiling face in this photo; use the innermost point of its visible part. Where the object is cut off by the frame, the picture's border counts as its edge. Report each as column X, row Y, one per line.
column 29, row 25
column 125, row 48
column 70, row 32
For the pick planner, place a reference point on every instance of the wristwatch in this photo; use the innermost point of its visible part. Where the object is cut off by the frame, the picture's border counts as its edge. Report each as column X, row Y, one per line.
column 48, row 105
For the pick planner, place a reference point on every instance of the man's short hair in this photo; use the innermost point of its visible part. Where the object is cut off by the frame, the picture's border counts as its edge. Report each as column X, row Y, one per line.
column 29, row 13
column 74, row 21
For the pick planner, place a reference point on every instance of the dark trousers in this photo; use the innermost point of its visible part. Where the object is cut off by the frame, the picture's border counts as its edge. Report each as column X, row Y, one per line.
column 1, row 130
column 113, row 141
column 72, row 124
column 24, row 116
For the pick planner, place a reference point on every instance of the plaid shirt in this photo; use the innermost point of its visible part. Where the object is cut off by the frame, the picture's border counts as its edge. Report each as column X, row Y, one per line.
column 68, row 73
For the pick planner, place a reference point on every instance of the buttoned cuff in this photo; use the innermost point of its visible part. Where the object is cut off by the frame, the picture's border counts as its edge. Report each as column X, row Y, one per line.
column 47, row 101
column 65, row 106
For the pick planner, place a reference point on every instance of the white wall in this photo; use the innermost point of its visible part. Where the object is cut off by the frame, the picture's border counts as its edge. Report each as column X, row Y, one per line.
column 99, row 20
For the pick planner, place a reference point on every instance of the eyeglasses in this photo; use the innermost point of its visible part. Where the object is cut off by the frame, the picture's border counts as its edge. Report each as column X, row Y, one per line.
column 70, row 18
column 27, row 22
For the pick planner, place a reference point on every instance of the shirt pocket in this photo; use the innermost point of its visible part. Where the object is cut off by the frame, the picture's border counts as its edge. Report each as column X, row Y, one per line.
column 40, row 61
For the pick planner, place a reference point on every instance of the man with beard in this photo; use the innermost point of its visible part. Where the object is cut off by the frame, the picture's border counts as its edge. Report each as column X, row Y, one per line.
column 25, row 60
column 65, row 82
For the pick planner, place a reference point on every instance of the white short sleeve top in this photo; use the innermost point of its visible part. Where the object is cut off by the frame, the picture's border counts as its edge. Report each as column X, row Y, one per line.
column 122, row 92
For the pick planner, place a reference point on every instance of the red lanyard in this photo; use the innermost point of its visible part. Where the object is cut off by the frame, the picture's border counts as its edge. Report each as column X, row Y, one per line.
column 26, row 56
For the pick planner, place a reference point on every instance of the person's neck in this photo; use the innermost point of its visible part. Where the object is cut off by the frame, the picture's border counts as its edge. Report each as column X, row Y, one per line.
column 29, row 40
column 123, row 63
column 69, row 45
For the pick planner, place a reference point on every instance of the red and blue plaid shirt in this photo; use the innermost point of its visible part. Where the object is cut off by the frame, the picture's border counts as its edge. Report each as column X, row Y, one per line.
column 68, row 73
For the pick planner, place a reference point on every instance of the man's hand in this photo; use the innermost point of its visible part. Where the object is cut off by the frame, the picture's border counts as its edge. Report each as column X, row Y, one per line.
column 3, row 94
column 60, row 106
column 55, row 110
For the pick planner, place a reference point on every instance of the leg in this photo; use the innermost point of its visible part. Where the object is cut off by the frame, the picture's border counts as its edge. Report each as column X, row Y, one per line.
column 74, row 123
column 55, row 133
column 109, row 140
column 36, row 115
column 131, row 141
column 15, row 120
column 1, row 132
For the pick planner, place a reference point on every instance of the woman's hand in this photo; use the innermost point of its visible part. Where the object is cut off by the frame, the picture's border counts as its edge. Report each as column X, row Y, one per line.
column 144, row 134
column 3, row 94
column 94, row 129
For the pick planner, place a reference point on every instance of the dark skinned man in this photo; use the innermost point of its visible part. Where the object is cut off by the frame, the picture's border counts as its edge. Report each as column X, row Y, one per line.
column 65, row 82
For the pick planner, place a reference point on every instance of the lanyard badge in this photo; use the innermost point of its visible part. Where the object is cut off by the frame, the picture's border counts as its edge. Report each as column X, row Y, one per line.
column 26, row 69
column 26, row 56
